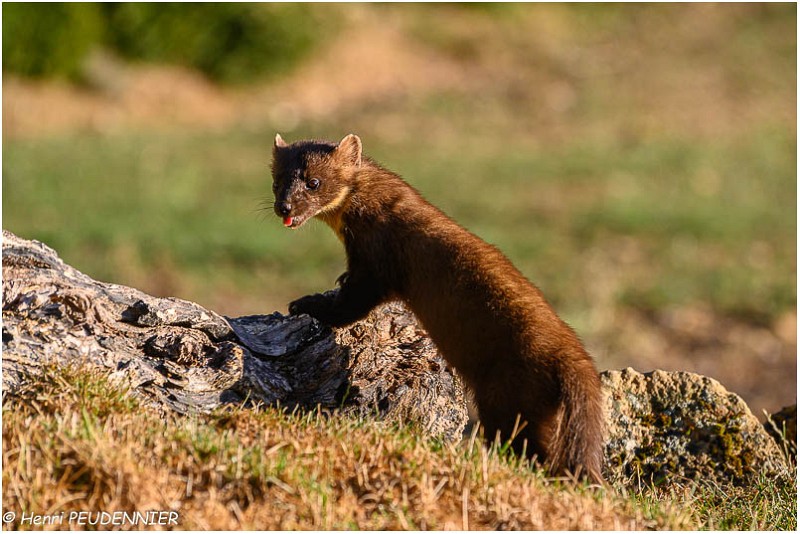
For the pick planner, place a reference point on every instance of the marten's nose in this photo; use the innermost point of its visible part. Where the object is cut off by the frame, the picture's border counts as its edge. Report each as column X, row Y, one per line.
column 284, row 208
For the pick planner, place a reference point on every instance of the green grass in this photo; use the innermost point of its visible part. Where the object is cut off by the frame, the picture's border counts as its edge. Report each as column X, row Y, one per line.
column 767, row 505
column 705, row 220
column 128, row 209
column 693, row 210
column 622, row 157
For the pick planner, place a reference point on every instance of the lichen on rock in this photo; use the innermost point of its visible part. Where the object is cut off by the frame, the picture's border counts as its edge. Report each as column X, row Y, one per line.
column 667, row 426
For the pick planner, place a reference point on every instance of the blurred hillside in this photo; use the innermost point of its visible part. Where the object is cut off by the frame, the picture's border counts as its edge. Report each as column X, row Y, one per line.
column 637, row 162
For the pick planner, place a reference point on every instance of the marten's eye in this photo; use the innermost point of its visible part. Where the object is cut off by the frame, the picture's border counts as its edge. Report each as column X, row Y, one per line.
column 312, row 184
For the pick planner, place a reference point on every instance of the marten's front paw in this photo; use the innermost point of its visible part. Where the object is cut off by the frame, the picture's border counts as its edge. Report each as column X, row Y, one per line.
column 317, row 306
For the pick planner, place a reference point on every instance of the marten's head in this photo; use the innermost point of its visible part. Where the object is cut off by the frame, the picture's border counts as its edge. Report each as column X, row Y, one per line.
column 312, row 178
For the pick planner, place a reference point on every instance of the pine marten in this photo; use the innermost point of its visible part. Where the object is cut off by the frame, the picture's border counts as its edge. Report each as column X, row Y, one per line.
column 523, row 364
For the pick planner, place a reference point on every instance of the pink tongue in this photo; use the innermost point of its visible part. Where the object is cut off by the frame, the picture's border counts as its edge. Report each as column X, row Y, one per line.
column 287, row 221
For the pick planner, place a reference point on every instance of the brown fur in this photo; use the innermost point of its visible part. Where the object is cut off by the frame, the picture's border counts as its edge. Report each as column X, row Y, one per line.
column 487, row 319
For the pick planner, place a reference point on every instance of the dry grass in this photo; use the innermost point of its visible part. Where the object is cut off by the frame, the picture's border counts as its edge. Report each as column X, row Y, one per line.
column 72, row 444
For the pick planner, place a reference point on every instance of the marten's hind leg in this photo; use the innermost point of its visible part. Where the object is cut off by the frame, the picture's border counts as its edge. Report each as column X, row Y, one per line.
column 530, row 426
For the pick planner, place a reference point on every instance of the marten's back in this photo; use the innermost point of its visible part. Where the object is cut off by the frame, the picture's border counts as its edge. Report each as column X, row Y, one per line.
column 467, row 294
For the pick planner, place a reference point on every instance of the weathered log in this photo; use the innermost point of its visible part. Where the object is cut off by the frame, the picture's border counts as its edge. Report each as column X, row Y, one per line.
column 183, row 357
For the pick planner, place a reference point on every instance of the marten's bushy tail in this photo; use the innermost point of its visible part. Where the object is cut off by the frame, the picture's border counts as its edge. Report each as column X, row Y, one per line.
column 577, row 446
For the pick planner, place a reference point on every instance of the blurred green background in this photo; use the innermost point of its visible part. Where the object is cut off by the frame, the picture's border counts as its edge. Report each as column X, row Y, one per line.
column 229, row 42
column 637, row 162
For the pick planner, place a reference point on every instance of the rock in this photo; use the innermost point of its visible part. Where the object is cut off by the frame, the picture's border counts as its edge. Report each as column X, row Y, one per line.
column 182, row 357
column 666, row 426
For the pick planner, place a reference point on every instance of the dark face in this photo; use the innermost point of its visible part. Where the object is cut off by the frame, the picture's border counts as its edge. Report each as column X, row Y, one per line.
column 305, row 181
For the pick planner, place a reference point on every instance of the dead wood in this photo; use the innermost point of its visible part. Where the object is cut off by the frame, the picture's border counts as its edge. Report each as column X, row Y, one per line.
column 182, row 357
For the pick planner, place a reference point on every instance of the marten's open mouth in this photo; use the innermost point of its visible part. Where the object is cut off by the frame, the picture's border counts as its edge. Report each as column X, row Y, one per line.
column 292, row 222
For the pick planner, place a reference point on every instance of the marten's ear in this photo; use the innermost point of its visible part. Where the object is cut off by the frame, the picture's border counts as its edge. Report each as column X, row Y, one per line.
column 350, row 149
column 279, row 142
